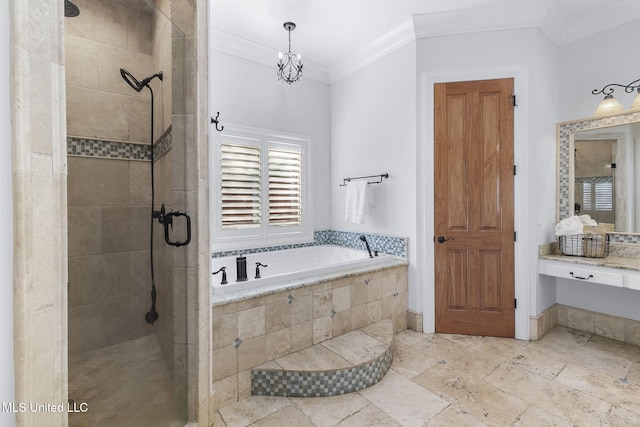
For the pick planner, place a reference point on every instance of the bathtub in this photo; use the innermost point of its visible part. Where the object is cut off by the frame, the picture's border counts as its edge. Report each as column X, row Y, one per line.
column 291, row 268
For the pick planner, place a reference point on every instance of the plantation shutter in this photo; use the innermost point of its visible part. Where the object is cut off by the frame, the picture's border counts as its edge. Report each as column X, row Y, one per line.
column 285, row 185
column 586, row 196
column 240, row 186
column 604, row 196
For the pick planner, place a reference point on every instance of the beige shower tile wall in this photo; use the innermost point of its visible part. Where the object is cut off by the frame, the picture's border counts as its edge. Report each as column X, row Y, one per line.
column 108, row 224
column 110, row 36
column 165, row 275
column 276, row 325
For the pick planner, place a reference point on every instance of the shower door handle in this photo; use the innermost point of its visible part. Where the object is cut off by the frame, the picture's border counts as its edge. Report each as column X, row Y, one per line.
column 168, row 220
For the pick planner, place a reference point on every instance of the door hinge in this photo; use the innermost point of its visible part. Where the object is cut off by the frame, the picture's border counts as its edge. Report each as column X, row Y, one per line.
column 515, row 170
column 515, row 101
column 515, row 303
column 515, row 236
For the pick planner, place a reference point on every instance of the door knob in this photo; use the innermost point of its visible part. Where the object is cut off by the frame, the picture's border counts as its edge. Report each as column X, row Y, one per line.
column 442, row 239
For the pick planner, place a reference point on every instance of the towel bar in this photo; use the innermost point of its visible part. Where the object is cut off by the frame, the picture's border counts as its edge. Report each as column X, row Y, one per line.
column 379, row 176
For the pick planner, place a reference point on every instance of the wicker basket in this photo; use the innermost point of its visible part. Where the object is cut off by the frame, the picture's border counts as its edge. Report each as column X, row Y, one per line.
column 586, row 245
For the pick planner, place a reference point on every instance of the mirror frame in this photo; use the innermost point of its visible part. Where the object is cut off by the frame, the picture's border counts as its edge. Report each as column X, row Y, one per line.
column 565, row 134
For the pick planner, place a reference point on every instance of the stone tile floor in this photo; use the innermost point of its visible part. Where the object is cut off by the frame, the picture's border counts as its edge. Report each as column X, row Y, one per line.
column 126, row 384
column 567, row 378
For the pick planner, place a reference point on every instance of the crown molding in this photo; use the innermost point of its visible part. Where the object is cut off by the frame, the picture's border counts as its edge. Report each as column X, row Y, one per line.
column 545, row 15
column 498, row 17
column 382, row 46
column 236, row 46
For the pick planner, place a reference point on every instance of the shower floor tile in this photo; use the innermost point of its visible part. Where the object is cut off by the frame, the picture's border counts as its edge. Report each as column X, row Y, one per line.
column 566, row 378
column 126, row 384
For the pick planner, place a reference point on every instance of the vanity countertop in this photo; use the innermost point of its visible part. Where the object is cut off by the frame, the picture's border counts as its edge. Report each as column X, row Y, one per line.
column 624, row 256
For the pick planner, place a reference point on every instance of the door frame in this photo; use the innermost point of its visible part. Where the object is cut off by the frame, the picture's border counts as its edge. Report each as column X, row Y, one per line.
column 425, row 196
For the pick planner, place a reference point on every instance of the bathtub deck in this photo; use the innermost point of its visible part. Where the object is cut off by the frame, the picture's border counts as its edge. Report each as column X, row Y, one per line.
column 344, row 364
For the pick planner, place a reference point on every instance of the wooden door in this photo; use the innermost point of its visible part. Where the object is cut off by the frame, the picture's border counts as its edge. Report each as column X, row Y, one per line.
column 474, row 231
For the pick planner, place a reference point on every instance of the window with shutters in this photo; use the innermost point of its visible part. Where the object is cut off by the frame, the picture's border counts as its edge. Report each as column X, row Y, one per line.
column 597, row 193
column 260, row 182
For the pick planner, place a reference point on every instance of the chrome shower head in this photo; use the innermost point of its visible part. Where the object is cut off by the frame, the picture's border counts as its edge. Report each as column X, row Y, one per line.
column 70, row 9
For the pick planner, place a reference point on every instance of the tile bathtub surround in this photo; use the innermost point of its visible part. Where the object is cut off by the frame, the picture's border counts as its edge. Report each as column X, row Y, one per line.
column 566, row 378
column 272, row 326
column 391, row 245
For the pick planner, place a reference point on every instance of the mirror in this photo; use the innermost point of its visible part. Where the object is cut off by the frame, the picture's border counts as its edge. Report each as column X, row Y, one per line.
column 597, row 162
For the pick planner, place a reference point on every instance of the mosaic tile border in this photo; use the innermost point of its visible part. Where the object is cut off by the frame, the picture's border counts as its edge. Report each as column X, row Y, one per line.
column 391, row 245
column 87, row 147
column 632, row 239
column 119, row 150
column 276, row 382
column 564, row 131
column 163, row 144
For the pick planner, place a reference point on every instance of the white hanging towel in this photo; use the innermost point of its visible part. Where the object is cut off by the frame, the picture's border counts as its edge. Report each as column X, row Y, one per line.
column 357, row 203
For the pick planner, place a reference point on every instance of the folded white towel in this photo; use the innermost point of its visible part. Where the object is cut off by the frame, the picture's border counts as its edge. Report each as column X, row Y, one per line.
column 569, row 226
column 586, row 220
column 357, row 203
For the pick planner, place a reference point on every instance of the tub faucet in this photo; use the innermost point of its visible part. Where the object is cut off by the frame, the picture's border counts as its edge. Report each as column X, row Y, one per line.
column 258, row 265
column 364, row 239
column 241, row 269
column 224, row 275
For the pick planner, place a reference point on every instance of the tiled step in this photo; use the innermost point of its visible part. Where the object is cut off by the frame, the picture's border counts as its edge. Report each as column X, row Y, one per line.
column 344, row 364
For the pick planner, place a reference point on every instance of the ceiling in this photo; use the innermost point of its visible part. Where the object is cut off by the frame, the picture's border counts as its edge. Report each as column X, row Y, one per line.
column 329, row 32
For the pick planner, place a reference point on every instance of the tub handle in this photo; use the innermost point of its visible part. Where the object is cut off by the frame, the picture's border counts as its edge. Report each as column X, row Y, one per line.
column 258, row 265
column 224, row 275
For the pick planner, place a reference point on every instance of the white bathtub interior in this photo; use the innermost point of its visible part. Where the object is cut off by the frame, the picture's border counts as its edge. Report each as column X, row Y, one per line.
column 289, row 266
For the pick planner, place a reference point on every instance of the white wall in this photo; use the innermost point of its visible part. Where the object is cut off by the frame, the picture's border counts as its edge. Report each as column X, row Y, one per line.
column 584, row 65
column 532, row 57
column 610, row 300
column 6, row 245
column 593, row 62
column 373, row 132
column 543, row 177
column 247, row 93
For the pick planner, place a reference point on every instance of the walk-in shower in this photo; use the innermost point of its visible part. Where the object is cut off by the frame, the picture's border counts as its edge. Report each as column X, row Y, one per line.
column 127, row 357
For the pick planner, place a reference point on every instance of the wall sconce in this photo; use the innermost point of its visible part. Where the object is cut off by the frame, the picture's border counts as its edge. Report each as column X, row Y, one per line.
column 610, row 105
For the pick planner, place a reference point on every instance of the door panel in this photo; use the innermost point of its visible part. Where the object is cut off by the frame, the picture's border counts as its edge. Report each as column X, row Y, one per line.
column 474, row 208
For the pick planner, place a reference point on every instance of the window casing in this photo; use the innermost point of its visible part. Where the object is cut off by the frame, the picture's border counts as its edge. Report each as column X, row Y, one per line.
column 260, row 189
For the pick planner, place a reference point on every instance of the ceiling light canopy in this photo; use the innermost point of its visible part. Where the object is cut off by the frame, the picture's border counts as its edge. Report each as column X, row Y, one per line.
column 610, row 105
column 289, row 63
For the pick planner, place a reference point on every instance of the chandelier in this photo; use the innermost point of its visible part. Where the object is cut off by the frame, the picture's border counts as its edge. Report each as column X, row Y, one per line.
column 289, row 63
